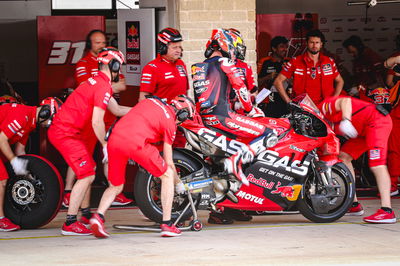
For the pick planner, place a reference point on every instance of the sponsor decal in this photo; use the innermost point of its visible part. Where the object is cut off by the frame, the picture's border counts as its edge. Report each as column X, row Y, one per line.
column 230, row 146
column 374, row 154
column 200, row 90
column 296, row 148
column 196, row 69
column 242, row 128
column 249, row 122
column 201, row 83
column 381, row 19
column 289, row 192
column 132, row 34
column 338, row 29
column 273, row 159
column 260, row 182
column 249, row 197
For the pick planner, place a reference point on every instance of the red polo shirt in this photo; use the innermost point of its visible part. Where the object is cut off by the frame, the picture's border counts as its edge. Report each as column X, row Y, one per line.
column 164, row 78
column 86, row 67
column 17, row 121
column 317, row 81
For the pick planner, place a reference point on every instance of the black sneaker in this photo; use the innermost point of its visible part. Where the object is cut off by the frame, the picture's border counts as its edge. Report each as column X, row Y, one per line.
column 219, row 218
column 237, row 215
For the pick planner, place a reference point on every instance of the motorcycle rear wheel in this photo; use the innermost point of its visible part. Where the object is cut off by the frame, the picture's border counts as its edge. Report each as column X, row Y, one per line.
column 33, row 200
column 341, row 176
column 147, row 189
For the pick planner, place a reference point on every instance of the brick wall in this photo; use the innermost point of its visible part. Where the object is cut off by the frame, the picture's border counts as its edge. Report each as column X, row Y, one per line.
column 196, row 19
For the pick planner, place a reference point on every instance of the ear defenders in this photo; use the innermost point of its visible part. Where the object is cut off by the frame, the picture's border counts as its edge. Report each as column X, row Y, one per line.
column 45, row 112
column 162, row 48
column 182, row 115
column 114, row 66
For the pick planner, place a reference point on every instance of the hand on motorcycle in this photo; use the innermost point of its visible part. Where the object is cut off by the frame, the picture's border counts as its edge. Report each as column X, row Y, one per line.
column 256, row 112
column 19, row 165
column 180, row 188
column 347, row 128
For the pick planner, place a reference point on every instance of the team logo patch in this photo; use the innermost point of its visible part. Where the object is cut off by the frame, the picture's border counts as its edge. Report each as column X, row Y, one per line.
column 374, row 154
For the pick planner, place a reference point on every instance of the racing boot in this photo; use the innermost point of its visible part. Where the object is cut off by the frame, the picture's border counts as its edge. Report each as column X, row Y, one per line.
column 233, row 165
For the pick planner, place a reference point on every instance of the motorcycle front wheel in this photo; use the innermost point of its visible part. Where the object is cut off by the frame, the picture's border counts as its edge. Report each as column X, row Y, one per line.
column 335, row 200
column 147, row 189
column 33, row 200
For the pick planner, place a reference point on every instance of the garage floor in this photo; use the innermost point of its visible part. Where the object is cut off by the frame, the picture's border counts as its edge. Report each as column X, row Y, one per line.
column 272, row 239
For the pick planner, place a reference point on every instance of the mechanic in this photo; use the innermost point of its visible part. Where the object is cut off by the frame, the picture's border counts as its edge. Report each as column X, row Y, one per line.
column 86, row 67
column 166, row 76
column 157, row 122
column 17, row 121
column 84, row 111
column 313, row 72
column 367, row 126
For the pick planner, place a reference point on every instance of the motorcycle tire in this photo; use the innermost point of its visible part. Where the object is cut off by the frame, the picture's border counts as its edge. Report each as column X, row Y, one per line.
column 147, row 189
column 33, row 200
column 341, row 176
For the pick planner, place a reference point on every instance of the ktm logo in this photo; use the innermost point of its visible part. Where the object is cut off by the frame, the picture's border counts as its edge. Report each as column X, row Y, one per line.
column 62, row 51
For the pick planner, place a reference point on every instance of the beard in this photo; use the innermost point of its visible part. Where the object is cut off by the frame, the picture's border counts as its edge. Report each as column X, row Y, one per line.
column 313, row 51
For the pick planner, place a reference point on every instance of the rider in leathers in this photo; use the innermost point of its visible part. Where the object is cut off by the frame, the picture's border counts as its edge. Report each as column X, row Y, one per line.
column 213, row 81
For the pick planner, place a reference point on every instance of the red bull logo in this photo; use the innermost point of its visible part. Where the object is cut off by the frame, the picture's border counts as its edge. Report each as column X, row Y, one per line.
column 196, row 69
column 132, row 31
column 289, row 192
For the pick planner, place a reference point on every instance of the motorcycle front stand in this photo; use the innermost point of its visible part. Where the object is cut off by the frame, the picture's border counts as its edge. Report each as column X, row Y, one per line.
column 194, row 225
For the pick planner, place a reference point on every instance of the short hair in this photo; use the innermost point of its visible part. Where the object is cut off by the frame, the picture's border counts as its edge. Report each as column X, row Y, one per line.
column 315, row 33
column 355, row 41
column 278, row 40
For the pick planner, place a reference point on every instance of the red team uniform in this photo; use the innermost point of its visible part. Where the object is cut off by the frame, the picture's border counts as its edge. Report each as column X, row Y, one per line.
column 317, row 82
column 372, row 126
column 136, row 137
column 164, row 79
column 71, row 131
column 87, row 67
column 17, row 121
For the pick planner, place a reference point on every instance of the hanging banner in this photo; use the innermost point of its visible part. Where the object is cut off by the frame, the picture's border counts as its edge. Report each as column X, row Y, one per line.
column 133, row 47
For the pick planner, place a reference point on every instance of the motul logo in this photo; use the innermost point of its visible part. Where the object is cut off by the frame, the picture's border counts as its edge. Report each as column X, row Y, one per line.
column 250, row 197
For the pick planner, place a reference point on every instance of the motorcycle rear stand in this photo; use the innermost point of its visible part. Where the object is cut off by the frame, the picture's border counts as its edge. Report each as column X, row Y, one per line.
column 194, row 225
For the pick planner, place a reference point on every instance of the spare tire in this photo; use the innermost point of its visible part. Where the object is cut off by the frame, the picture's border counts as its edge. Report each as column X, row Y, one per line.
column 33, row 200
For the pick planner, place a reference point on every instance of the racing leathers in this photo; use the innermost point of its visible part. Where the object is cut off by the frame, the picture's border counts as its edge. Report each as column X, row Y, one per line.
column 213, row 81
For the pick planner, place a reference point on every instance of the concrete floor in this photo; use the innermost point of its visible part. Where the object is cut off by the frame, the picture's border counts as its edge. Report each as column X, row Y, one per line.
column 272, row 240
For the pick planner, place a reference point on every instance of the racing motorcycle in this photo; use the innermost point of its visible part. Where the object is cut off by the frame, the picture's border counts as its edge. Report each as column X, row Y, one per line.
column 301, row 171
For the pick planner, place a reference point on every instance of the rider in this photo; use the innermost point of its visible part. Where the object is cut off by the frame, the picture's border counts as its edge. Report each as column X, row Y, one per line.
column 157, row 122
column 17, row 121
column 213, row 81
column 368, row 127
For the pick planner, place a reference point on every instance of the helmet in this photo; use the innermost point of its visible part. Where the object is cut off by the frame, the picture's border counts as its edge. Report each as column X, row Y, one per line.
column 7, row 99
column 238, row 42
column 222, row 40
column 184, row 107
column 113, row 58
column 165, row 36
column 50, row 107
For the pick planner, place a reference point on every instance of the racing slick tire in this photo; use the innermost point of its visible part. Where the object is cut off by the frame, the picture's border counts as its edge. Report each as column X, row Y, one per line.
column 147, row 189
column 337, row 204
column 33, row 200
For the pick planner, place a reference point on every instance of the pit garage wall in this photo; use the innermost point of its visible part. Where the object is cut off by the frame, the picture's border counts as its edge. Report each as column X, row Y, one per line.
column 196, row 19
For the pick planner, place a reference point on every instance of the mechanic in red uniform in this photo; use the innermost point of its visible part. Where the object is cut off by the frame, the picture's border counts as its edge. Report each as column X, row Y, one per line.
column 84, row 110
column 86, row 67
column 313, row 72
column 166, row 76
column 157, row 122
column 17, row 121
column 213, row 81
column 367, row 126
column 393, row 63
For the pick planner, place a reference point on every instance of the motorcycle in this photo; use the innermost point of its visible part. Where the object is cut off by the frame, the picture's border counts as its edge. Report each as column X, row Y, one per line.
column 301, row 171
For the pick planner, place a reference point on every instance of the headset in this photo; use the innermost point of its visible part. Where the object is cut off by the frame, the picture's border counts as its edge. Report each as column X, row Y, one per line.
column 88, row 45
column 182, row 115
column 162, row 48
column 45, row 112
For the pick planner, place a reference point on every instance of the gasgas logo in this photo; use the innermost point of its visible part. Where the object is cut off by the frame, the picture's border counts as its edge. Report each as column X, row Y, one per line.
column 273, row 159
column 249, row 197
column 230, row 146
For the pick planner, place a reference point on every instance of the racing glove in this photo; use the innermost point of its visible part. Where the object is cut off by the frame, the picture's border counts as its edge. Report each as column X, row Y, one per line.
column 105, row 154
column 256, row 112
column 347, row 128
column 19, row 165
